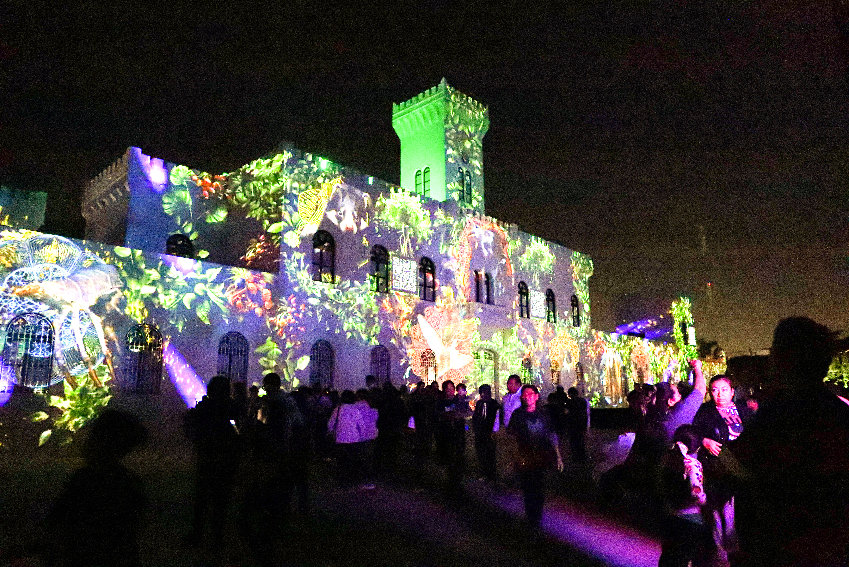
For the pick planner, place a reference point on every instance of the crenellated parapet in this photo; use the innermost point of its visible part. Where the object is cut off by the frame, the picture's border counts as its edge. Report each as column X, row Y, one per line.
column 105, row 202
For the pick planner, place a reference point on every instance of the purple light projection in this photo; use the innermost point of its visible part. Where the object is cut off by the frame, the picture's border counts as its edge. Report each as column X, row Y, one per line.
column 188, row 383
column 155, row 169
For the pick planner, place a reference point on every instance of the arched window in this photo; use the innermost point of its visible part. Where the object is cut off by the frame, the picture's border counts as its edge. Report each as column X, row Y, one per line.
column 461, row 180
column 478, row 287
column 576, row 311
column 524, row 301
column 380, row 364
column 427, row 279
column 418, row 181
column 29, row 350
column 143, row 364
column 550, row 307
column 322, row 361
column 429, row 364
column 233, row 350
column 426, row 183
column 468, row 184
column 323, row 257
column 488, row 288
column 379, row 269
column 180, row 245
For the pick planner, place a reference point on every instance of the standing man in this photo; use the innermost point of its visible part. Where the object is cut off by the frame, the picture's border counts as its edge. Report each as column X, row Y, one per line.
column 577, row 423
column 537, row 448
column 483, row 424
column 512, row 400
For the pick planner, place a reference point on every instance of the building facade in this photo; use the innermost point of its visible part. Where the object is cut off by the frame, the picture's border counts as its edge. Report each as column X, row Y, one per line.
column 298, row 265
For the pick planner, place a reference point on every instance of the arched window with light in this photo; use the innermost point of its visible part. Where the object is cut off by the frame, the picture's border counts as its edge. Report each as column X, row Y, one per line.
column 418, row 181
column 323, row 257
column 524, row 301
column 28, row 350
column 478, row 287
column 427, row 279
column 461, row 181
column 426, row 182
column 576, row 311
column 143, row 363
column 379, row 269
column 550, row 307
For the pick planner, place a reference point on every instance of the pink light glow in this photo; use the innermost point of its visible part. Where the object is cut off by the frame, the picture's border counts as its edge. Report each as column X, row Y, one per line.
column 189, row 384
column 185, row 266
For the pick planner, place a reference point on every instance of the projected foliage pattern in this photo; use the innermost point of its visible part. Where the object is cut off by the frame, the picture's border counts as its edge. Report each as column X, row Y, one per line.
column 268, row 212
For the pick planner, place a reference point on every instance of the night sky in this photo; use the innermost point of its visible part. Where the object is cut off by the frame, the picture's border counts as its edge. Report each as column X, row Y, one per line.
column 675, row 142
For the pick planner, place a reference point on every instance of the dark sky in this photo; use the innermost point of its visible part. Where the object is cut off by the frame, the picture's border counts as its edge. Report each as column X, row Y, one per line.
column 675, row 142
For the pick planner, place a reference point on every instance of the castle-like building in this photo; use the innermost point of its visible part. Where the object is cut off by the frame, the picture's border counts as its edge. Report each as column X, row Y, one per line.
column 299, row 265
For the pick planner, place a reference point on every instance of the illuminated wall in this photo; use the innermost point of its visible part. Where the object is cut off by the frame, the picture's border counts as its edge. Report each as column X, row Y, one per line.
column 253, row 233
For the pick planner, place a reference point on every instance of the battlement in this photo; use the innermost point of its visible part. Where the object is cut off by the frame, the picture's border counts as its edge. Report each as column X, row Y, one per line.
column 101, row 189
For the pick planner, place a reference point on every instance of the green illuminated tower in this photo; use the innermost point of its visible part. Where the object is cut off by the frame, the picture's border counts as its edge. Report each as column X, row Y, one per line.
column 441, row 132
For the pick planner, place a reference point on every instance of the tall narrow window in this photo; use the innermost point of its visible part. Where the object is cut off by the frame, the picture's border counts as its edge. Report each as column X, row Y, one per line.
column 527, row 369
column 180, row 245
column 323, row 257
column 429, row 365
column 322, row 361
column 461, row 180
column 576, row 311
column 380, row 364
column 426, row 182
column 427, row 280
column 29, row 350
column 379, row 269
column 143, row 364
column 478, row 287
column 550, row 307
column 418, row 181
column 524, row 301
column 468, row 185
column 233, row 353
column 488, row 288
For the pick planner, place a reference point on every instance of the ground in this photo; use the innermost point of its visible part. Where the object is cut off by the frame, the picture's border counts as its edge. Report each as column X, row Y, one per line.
column 401, row 522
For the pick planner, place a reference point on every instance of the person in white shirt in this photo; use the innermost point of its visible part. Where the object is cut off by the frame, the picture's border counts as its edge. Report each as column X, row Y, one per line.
column 511, row 401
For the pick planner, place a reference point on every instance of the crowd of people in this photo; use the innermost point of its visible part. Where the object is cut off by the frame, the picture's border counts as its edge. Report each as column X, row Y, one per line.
column 731, row 479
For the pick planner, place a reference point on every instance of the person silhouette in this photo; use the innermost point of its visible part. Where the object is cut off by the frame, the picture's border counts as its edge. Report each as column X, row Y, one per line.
column 96, row 518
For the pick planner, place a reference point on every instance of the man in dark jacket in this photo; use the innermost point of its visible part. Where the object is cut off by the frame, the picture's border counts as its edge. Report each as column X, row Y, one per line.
column 483, row 423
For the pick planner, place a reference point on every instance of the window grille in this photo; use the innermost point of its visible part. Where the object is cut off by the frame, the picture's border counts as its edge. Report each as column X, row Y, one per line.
column 322, row 362
column 233, row 352
column 380, row 364
column 28, row 350
column 429, row 365
column 524, row 301
column 143, row 367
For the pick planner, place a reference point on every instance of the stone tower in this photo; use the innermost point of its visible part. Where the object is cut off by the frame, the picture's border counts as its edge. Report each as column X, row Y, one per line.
column 441, row 132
